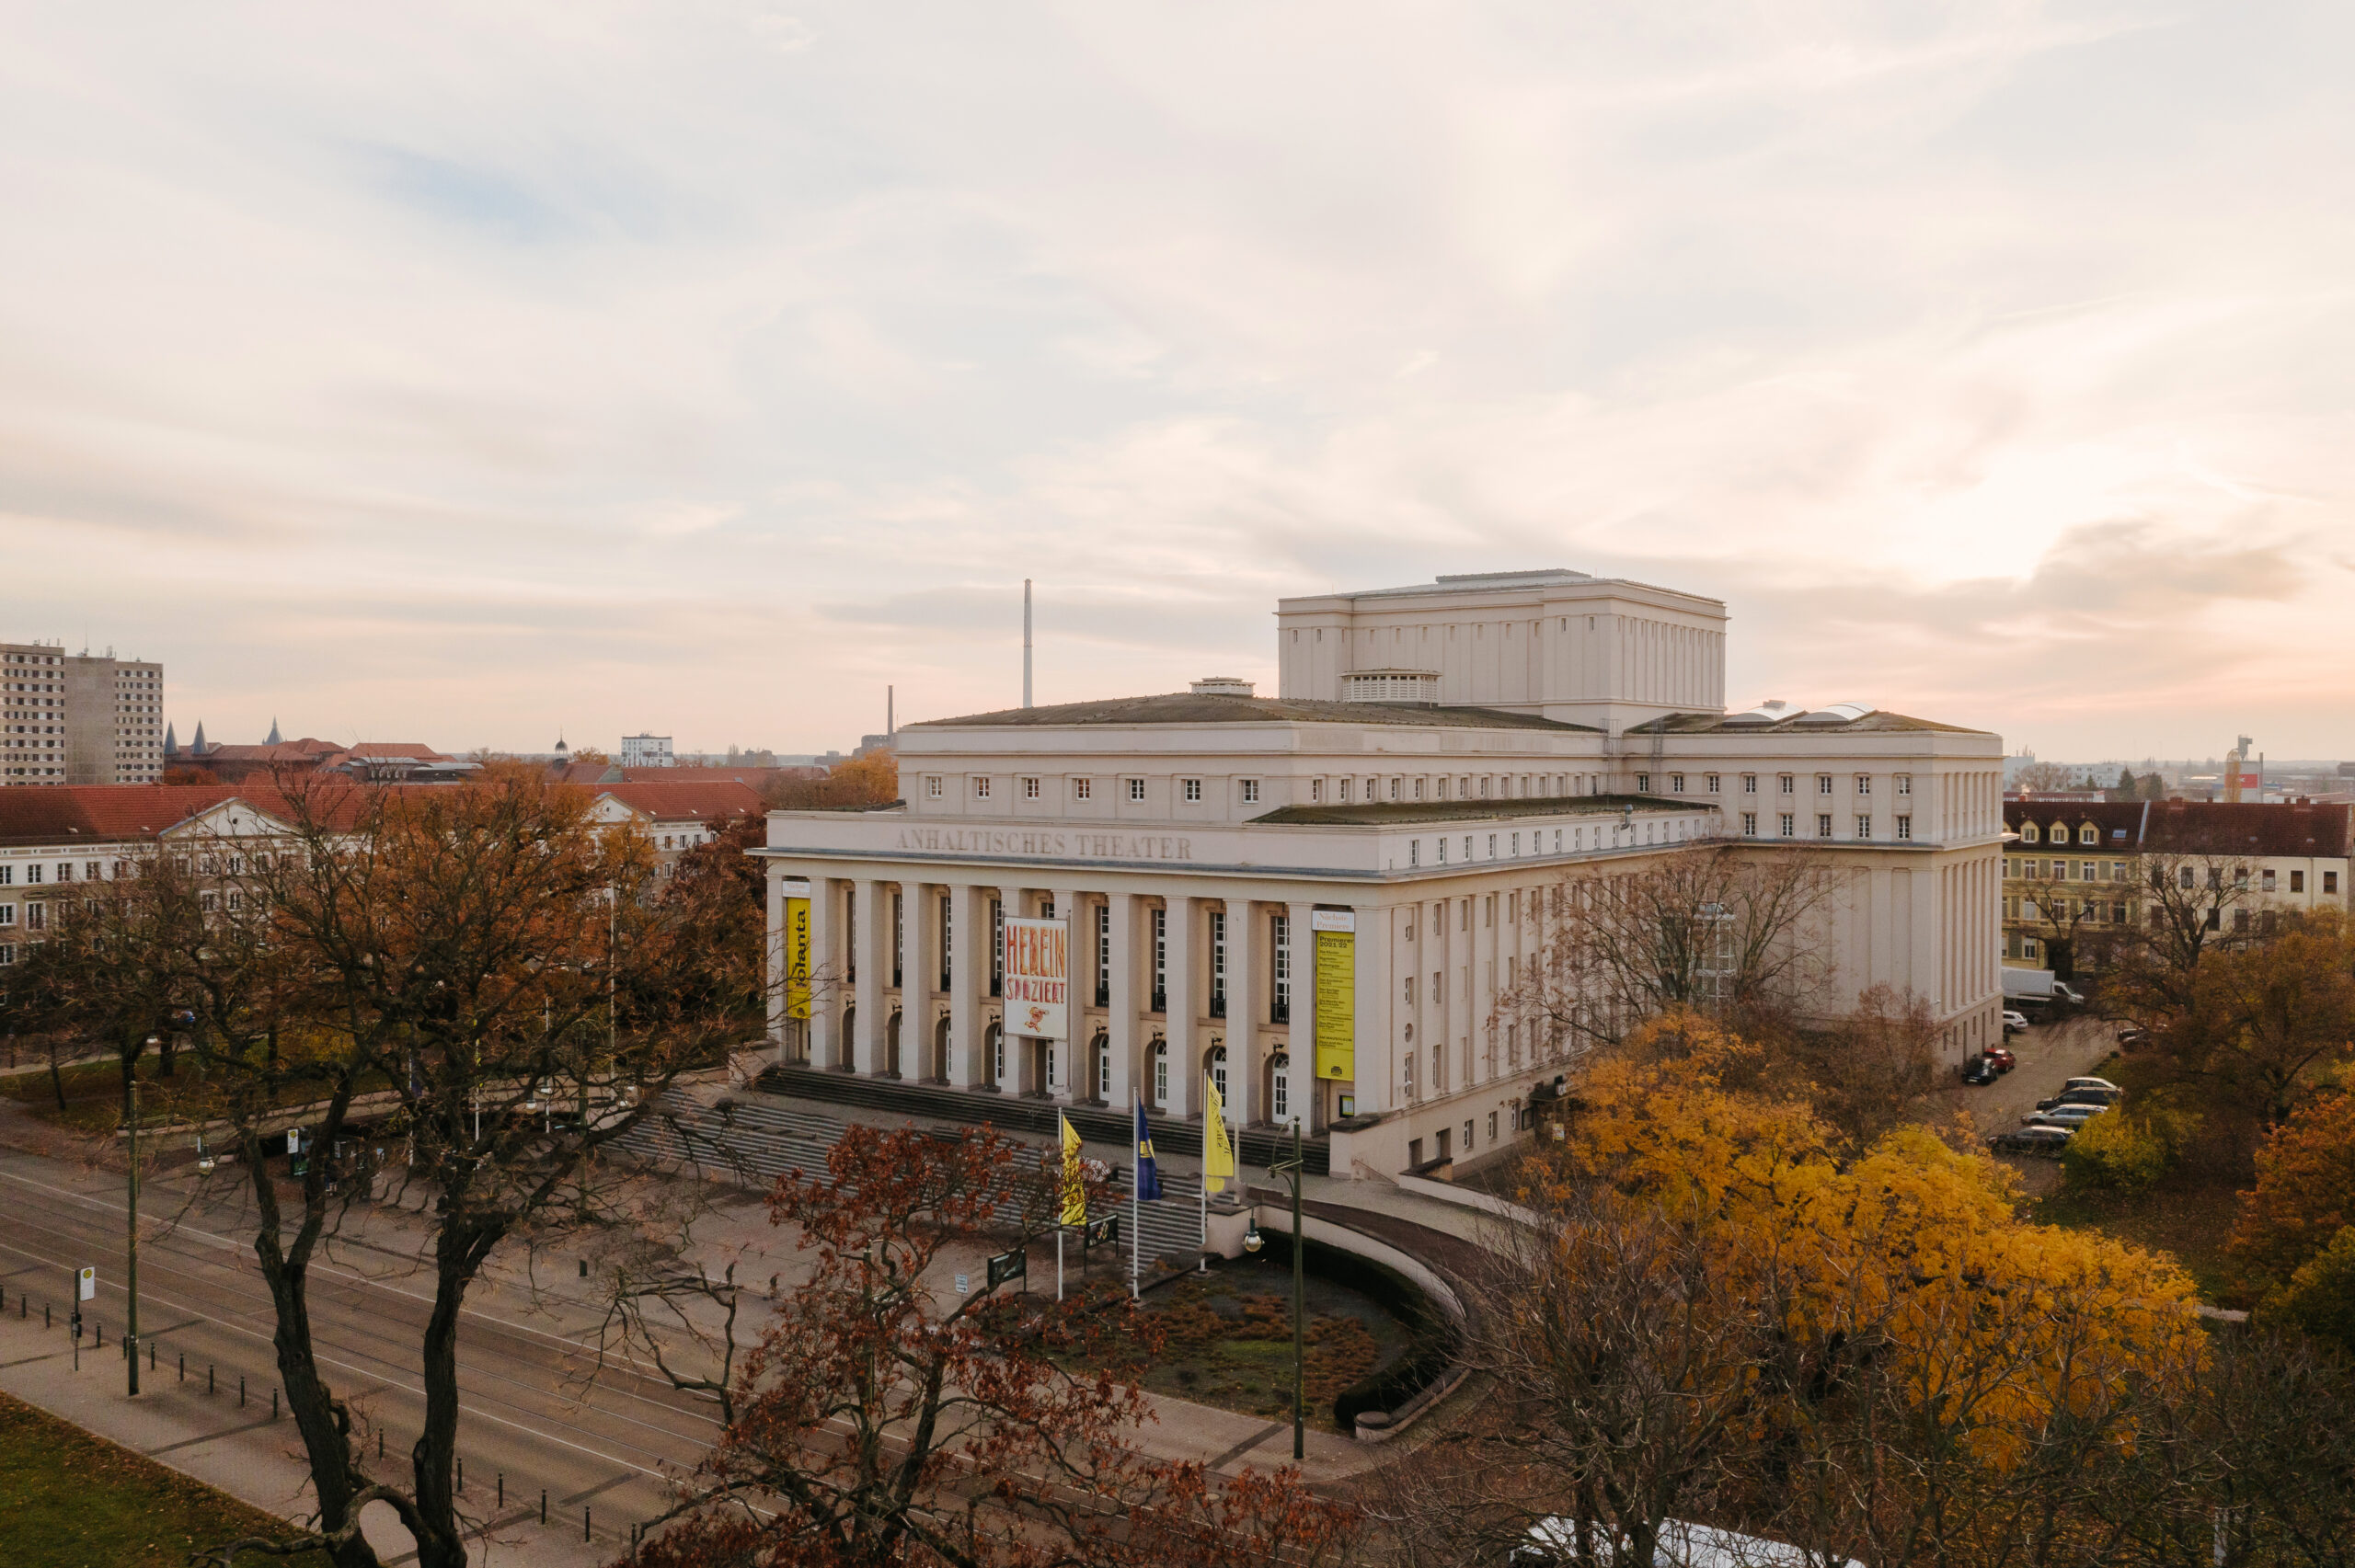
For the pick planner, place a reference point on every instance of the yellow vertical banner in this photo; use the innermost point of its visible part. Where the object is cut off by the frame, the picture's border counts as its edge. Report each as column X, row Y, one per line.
column 797, row 958
column 1337, row 992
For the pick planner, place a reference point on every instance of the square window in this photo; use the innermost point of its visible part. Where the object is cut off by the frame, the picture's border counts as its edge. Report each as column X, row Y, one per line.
column 1824, row 783
column 1676, row 784
column 1710, row 781
column 1905, row 828
column 1789, row 784
column 1864, row 784
column 1030, row 789
column 2297, row 882
column 981, row 789
column 1081, row 788
column 1250, row 791
column 2267, row 880
column 1643, row 784
column 1136, row 789
column 2330, row 882
column 1905, row 784
column 1193, row 789
column 932, row 785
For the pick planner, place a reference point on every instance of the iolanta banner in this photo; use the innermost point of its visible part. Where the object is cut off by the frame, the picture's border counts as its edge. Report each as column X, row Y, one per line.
column 1038, row 978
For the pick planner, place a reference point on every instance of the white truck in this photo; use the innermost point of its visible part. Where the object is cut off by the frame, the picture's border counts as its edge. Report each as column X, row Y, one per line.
column 2027, row 988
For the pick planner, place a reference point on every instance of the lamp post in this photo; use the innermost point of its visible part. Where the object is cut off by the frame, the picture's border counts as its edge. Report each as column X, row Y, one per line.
column 130, row 1234
column 1290, row 1170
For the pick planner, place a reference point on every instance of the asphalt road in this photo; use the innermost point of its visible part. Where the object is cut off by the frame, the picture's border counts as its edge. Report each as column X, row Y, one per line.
column 528, row 1412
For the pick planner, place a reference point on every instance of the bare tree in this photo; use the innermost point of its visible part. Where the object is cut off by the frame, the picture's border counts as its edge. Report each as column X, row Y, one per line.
column 1875, row 1069
column 1718, row 928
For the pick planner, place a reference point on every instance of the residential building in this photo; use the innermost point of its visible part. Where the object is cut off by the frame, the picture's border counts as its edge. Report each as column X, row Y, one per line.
column 676, row 816
column 2076, row 873
column 79, row 719
column 646, row 752
column 1375, row 848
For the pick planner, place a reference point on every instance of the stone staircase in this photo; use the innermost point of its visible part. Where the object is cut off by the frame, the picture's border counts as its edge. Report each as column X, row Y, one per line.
column 755, row 1142
column 934, row 1101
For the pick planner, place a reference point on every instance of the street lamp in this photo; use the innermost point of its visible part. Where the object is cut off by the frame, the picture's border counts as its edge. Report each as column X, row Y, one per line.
column 130, row 1232
column 1252, row 1241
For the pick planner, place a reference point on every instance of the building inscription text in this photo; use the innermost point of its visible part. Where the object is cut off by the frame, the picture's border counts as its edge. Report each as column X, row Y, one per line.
column 1013, row 840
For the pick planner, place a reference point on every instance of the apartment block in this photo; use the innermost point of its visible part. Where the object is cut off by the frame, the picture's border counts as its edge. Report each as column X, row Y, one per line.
column 79, row 719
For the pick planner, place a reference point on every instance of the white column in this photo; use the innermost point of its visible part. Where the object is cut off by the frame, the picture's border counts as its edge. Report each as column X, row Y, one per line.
column 1063, row 1055
column 1300, row 1074
column 917, row 916
column 869, row 928
column 1185, row 1000
column 968, row 969
column 1376, row 1035
column 827, row 955
column 1242, row 1012
column 1121, row 1002
column 775, row 964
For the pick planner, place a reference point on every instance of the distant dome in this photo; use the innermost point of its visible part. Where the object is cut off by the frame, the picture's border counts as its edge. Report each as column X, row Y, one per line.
column 561, row 749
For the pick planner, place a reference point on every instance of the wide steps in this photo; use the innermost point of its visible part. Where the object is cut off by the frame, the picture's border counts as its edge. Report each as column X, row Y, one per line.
column 1254, row 1146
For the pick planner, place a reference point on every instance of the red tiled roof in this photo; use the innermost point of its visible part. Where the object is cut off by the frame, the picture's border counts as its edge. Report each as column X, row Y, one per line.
column 754, row 777
column 2199, row 827
column 673, row 802
column 96, row 814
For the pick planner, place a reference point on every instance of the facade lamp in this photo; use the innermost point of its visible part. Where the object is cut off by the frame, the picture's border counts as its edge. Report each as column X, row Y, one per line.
column 1252, row 1239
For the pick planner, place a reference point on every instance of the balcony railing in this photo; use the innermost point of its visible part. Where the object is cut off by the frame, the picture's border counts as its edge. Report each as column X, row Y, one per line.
column 1280, row 1010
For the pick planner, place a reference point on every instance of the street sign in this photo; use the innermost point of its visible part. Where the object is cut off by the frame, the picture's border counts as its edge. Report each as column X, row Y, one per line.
column 1102, row 1232
column 85, row 1285
column 1005, row 1266
column 964, row 1285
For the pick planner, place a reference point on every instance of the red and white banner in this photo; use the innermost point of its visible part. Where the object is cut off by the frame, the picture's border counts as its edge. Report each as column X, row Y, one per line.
column 1038, row 978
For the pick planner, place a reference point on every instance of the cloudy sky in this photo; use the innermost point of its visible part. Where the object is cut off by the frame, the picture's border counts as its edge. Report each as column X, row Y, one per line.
column 462, row 373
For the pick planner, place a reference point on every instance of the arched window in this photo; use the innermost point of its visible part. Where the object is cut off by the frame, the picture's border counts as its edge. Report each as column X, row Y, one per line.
column 997, row 1055
column 1101, row 1049
column 1218, row 1073
column 2027, row 832
column 1160, row 1072
column 1280, row 1088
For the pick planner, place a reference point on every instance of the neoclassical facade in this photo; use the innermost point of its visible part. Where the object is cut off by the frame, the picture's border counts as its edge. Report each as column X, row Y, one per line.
column 1375, row 845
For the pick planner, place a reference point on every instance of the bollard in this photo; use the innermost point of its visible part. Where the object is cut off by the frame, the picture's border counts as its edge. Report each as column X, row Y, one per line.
column 379, row 1442
column 543, row 1505
column 45, row 1314
column 462, row 1472
column 150, row 1356
column 208, row 1378
column 584, row 1524
column 273, row 1404
column 584, row 1268
column 241, row 1391
column 101, row 1330
column 183, row 1366
column 502, row 1488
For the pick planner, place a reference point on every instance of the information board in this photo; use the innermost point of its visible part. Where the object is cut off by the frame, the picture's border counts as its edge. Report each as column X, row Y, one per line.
column 1337, row 992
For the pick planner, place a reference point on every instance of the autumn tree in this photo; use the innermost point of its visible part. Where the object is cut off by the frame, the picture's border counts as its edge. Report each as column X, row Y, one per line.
column 1872, row 1070
column 2305, row 1194
column 877, row 1418
column 2264, row 1017
column 869, row 780
column 1719, row 928
column 2188, row 901
column 519, row 983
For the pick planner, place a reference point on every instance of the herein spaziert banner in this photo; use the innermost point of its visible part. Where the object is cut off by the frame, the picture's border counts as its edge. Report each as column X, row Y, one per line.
column 1038, row 978
column 1337, row 992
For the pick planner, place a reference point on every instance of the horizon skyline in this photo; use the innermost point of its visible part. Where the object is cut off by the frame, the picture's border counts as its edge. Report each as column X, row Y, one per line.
column 460, row 372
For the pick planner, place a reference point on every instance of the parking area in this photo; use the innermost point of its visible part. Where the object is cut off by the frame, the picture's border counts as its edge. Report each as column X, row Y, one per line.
column 2050, row 1054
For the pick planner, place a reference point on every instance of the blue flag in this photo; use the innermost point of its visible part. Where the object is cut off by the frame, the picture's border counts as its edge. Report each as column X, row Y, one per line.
column 1148, row 1174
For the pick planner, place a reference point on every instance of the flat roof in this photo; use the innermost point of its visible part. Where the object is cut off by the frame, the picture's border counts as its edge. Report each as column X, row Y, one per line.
column 1406, row 813
column 1877, row 721
column 1205, row 707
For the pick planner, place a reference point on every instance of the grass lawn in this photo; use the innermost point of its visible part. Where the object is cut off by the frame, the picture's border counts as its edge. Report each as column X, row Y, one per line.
column 94, row 1094
column 1229, row 1340
column 69, row 1499
column 2192, row 1223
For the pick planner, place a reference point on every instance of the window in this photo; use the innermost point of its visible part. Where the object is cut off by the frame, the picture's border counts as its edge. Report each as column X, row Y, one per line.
column 1251, row 792
column 2266, row 880
column 2027, row 947
column 1468, row 1138
column 1414, row 851
column 1218, row 972
column 1643, row 784
column 1823, row 825
column 1394, row 787
column 1104, row 1073
column 1280, row 1100
column 1750, row 783
column 1030, row 789
column 1345, row 791
column 1193, row 789
column 1749, row 824
column 2330, row 882
column 981, row 789
column 1904, row 828
column 1443, row 851
column 32, row 873
column 1905, row 784
column 1316, row 789
column 1863, row 827
column 1081, row 788
column 7, row 914
column 1492, row 1127
column 932, row 785
column 1789, row 784
column 1161, row 1074
column 2240, row 920
column 1160, row 1000
column 2297, row 882
column 1516, row 844
column 1864, row 784
column 1789, row 824
column 1407, row 1082
column 2089, row 834
column 1280, row 970
column 1824, row 783
column 2183, row 878
column 2027, row 832
column 1710, row 782
column 1676, row 784
column 1492, row 848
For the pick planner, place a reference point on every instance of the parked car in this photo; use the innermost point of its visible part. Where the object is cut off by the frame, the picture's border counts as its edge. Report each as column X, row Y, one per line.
column 2003, row 1057
column 2133, row 1038
column 2033, row 1140
column 2014, row 1022
column 2102, row 1097
column 2071, row 1117
column 1978, row 1071
column 1681, row 1545
column 2088, row 1084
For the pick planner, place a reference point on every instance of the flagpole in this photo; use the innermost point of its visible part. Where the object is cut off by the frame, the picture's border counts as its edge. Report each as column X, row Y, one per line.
column 1059, row 1262
column 1204, row 1263
column 1136, row 1200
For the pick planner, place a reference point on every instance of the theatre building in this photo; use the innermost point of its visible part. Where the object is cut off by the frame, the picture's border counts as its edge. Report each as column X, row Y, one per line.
column 1317, row 899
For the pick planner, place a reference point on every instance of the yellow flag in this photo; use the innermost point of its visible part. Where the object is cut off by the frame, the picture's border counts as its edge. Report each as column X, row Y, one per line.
column 1218, row 1154
column 1074, row 1181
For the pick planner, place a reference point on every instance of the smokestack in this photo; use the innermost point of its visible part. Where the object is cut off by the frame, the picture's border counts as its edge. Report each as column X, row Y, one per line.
column 888, row 727
column 1026, row 642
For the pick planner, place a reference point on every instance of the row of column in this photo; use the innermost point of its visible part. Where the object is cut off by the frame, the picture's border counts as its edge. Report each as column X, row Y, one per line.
column 1123, row 1046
